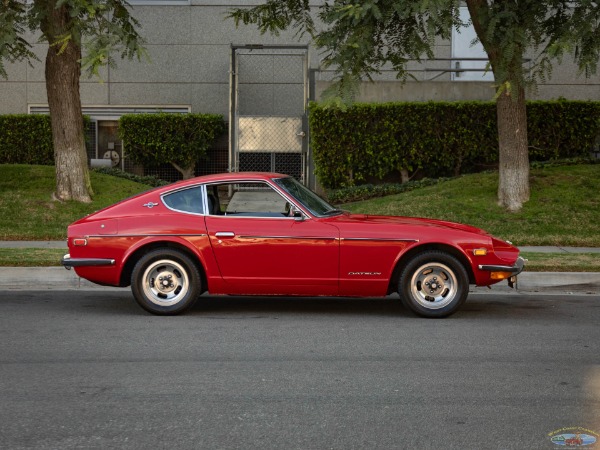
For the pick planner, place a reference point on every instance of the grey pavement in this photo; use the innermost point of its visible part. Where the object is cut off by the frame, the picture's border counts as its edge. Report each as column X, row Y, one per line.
column 556, row 249
column 33, row 244
column 92, row 370
column 58, row 278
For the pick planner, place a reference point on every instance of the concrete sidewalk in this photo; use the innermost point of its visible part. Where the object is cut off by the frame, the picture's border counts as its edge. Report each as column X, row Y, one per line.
column 551, row 249
column 33, row 244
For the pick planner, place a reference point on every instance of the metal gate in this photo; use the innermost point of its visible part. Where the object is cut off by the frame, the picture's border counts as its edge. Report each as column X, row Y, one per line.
column 267, row 116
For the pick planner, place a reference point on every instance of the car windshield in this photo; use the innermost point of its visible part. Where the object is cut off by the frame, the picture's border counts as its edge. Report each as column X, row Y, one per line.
column 311, row 201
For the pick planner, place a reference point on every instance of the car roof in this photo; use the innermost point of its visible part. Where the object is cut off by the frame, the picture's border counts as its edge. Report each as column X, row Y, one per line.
column 227, row 177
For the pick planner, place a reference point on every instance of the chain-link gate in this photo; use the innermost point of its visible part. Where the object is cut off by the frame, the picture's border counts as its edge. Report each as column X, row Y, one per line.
column 268, row 123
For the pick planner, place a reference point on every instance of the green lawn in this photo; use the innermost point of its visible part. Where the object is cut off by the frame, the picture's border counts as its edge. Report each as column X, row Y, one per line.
column 562, row 262
column 31, row 257
column 564, row 208
column 28, row 212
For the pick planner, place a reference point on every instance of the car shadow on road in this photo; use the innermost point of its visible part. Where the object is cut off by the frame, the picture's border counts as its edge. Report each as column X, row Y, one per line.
column 503, row 307
column 500, row 307
column 240, row 305
column 122, row 303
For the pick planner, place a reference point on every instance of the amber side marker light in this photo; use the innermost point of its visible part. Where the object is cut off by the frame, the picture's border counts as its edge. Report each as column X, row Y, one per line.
column 80, row 242
column 500, row 275
column 480, row 252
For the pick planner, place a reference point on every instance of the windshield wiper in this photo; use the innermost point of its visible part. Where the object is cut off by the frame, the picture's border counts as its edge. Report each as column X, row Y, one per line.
column 333, row 211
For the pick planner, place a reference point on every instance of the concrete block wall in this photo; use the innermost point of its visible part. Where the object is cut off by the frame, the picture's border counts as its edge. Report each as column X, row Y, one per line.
column 189, row 50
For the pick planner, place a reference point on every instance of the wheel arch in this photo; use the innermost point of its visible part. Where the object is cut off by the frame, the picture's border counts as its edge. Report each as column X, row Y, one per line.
column 134, row 257
column 413, row 251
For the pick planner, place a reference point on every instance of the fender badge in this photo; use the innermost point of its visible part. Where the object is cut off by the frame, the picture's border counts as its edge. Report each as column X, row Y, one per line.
column 150, row 205
column 371, row 274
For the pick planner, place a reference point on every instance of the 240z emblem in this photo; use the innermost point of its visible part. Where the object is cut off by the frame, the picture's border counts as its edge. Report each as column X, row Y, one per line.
column 371, row 274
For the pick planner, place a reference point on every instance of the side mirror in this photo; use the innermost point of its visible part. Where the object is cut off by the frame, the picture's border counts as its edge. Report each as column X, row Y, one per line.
column 296, row 214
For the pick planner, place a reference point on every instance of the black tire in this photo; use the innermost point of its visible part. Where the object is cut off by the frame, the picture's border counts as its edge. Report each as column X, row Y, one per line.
column 165, row 282
column 433, row 284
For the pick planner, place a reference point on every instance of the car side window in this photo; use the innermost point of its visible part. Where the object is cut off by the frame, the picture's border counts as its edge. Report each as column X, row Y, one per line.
column 248, row 199
column 187, row 200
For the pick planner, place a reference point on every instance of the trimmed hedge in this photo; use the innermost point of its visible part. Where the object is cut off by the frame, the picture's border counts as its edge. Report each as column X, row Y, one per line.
column 440, row 138
column 562, row 129
column 179, row 139
column 26, row 139
column 150, row 138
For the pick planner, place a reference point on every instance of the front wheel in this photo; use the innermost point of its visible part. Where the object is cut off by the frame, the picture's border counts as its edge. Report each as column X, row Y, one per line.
column 165, row 282
column 433, row 284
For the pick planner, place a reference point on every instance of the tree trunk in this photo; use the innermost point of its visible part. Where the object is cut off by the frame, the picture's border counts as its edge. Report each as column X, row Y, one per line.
column 513, row 187
column 404, row 176
column 186, row 172
column 63, row 70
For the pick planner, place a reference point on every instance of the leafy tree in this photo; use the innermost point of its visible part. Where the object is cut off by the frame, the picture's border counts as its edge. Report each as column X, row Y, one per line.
column 360, row 38
column 179, row 139
column 72, row 28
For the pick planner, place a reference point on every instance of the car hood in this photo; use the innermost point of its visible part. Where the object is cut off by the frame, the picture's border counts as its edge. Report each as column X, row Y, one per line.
column 367, row 220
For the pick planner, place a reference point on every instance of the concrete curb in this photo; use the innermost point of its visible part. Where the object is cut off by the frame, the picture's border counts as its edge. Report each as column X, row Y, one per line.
column 44, row 278
column 565, row 283
column 58, row 278
column 560, row 282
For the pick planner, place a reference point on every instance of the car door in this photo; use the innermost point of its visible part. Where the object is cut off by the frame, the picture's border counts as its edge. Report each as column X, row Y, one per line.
column 260, row 249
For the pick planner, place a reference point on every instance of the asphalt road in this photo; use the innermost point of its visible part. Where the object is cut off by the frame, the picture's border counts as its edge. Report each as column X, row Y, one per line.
column 90, row 369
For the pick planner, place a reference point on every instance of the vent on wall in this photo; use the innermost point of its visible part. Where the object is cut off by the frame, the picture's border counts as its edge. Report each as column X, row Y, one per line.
column 114, row 112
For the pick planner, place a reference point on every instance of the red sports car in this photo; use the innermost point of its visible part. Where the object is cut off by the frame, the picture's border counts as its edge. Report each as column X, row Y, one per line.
column 266, row 234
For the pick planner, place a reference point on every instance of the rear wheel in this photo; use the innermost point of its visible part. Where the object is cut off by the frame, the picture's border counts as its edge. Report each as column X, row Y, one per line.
column 165, row 282
column 434, row 284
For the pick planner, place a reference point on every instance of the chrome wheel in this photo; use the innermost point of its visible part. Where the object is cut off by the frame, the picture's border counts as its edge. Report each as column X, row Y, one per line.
column 165, row 282
column 433, row 285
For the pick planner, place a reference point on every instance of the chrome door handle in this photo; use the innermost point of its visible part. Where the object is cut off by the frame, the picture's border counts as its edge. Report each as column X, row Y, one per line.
column 225, row 234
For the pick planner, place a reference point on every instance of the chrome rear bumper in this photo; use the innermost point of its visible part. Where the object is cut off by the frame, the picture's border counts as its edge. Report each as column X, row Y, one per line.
column 69, row 262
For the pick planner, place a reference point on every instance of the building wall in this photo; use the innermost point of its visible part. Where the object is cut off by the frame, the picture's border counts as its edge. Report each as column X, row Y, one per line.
column 390, row 91
column 189, row 49
column 189, row 53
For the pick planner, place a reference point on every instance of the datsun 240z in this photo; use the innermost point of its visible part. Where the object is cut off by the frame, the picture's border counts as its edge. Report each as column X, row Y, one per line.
column 267, row 234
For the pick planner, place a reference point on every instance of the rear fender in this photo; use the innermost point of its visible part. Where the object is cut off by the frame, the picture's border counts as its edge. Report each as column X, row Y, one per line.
column 198, row 252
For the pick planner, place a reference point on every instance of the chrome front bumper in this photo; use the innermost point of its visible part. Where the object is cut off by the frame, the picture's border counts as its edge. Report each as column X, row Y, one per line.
column 515, row 269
